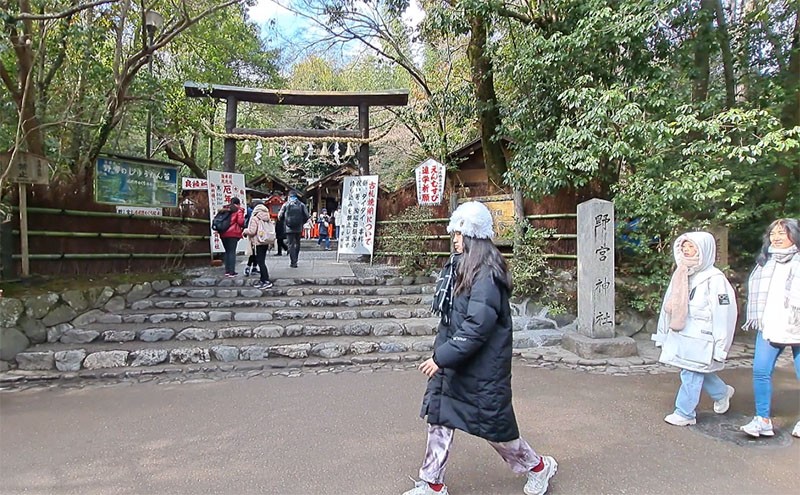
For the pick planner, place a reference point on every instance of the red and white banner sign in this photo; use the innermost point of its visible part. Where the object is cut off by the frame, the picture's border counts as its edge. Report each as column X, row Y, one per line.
column 430, row 182
column 194, row 184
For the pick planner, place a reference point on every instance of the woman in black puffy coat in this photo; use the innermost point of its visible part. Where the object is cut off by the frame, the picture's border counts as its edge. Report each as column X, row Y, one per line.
column 469, row 386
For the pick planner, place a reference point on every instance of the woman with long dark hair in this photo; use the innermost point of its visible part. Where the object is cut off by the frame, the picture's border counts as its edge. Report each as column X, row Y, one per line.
column 469, row 386
column 773, row 310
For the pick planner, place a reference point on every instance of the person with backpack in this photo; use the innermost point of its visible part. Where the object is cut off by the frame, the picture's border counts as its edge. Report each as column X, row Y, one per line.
column 229, row 222
column 261, row 233
column 294, row 215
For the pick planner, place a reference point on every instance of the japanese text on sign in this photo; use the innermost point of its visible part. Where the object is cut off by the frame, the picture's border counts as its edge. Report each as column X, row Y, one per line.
column 133, row 183
column 359, row 213
column 430, row 182
column 222, row 187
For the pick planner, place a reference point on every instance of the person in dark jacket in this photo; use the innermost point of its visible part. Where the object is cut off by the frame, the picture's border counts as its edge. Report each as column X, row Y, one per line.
column 293, row 215
column 469, row 386
column 230, row 238
column 280, row 236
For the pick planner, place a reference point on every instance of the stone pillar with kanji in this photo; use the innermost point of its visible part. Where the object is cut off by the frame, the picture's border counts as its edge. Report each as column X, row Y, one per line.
column 595, row 337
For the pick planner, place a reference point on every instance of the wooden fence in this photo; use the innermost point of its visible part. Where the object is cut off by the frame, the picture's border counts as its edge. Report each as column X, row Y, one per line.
column 69, row 234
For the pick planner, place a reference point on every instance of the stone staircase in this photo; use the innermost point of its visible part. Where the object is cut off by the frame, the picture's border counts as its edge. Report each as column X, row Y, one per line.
column 217, row 322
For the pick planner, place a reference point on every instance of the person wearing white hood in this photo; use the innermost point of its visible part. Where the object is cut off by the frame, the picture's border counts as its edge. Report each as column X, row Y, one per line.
column 696, row 326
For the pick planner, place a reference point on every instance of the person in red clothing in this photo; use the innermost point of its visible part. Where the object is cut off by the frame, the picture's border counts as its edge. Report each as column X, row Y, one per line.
column 230, row 238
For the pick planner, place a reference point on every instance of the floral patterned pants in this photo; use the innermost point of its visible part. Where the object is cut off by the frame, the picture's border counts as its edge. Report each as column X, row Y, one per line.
column 519, row 456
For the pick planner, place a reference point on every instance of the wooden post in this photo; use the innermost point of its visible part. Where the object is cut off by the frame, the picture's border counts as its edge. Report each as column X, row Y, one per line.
column 453, row 206
column 23, row 229
column 519, row 214
column 363, row 150
column 229, row 159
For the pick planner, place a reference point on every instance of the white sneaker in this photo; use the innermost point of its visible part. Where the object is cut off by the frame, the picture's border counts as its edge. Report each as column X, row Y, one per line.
column 796, row 431
column 678, row 420
column 721, row 406
column 423, row 488
column 538, row 482
column 758, row 427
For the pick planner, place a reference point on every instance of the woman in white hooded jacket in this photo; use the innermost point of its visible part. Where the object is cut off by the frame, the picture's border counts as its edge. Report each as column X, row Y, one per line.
column 696, row 326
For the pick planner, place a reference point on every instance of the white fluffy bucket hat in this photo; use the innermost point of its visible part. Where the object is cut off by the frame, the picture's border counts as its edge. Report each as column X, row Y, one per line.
column 472, row 219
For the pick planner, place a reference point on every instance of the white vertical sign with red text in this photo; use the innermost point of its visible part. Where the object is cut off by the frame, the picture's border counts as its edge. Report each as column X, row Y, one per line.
column 359, row 213
column 222, row 187
column 430, row 182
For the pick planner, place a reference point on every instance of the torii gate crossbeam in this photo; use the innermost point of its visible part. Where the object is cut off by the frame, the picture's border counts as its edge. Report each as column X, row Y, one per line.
column 234, row 94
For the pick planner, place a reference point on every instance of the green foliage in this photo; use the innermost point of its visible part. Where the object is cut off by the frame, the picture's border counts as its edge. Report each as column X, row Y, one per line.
column 407, row 237
column 531, row 273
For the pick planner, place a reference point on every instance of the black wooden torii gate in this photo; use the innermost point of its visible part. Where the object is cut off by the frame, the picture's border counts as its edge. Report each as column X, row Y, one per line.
column 234, row 94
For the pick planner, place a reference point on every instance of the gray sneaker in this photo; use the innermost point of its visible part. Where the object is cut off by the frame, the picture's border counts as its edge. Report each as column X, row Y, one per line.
column 423, row 488
column 539, row 482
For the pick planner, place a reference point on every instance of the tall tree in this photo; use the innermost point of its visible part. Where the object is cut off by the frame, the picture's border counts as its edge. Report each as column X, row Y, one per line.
column 85, row 57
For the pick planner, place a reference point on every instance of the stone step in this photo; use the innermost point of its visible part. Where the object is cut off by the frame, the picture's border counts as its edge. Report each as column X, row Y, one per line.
column 248, row 299
column 246, row 289
column 238, row 325
column 158, row 316
column 46, row 357
column 240, row 280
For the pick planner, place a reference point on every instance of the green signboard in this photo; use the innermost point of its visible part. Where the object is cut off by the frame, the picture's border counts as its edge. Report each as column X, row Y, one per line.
column 132, row 183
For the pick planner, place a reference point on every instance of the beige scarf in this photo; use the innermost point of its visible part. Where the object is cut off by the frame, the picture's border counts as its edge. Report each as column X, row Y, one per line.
column 678, row 303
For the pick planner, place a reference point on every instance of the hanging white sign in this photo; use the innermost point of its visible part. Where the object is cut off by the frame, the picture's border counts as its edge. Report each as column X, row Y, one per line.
column 222, row 188
column 359, row 212
column 193, row 184
column 430, row 182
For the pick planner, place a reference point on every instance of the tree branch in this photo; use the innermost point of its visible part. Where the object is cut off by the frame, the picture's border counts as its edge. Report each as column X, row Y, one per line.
column 59, row 15
column 10, row 83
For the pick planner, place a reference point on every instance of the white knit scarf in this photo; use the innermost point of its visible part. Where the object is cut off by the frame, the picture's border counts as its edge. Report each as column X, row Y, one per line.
column 758, row 285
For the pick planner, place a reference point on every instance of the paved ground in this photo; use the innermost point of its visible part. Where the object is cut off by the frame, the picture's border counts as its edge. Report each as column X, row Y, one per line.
column 357, row 432
column 313, row 261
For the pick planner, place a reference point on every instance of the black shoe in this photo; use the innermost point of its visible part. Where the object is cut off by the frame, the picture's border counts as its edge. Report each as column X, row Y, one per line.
column 292, row 266
column 277, row 254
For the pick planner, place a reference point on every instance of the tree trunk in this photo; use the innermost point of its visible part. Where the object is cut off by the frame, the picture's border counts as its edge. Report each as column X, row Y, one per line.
column 788, row 170
column 727, row 56
column 26, row 90
column 488, row 110
column 702, row 51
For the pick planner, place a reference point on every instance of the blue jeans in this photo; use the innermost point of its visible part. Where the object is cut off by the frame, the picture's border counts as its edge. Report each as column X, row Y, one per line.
column 764, row 360
column 326, row 239
column 692, row 383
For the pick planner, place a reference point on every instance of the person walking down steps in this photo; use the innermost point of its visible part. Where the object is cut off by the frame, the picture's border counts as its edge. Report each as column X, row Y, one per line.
column 261, row 233
column 696, row 326
column 469, row 374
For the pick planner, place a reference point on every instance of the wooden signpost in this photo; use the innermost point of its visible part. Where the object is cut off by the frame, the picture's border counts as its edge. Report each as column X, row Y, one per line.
column 25, row 168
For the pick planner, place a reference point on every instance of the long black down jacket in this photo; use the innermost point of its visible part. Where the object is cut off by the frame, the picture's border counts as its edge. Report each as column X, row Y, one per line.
column 472, row 390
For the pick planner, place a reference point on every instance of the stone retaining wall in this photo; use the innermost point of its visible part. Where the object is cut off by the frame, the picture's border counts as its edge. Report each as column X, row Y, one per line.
column 30, row 320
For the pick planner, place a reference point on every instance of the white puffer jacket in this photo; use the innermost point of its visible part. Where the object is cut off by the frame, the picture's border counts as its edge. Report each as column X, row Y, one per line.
column 703, row 343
